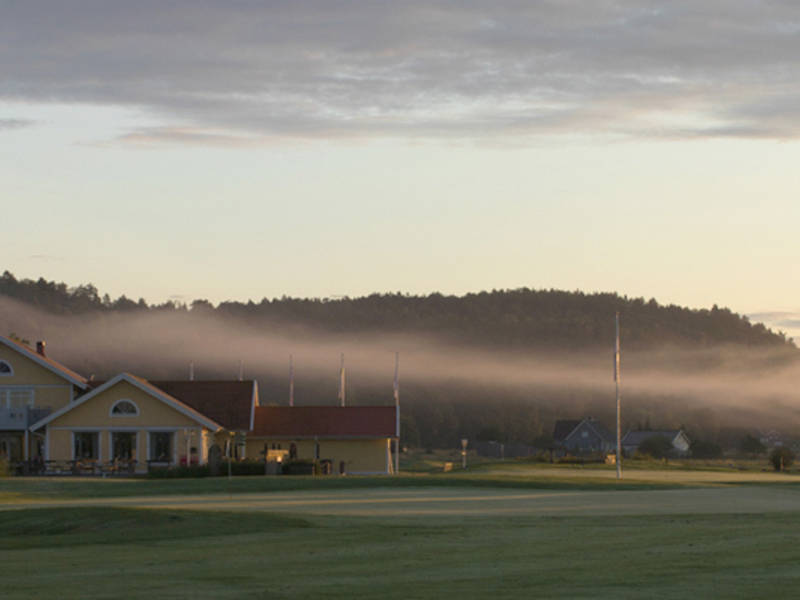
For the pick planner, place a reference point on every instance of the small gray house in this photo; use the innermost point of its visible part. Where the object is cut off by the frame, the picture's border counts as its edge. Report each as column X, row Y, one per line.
column 680, row 442
column 583, row 436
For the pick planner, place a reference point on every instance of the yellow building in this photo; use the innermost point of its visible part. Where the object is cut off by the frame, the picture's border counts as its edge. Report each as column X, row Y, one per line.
column 129, row 424
column 31, row 386
column 58, row 421
column 352, row 439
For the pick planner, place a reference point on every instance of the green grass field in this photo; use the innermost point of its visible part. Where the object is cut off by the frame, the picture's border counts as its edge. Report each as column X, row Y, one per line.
column 545, row 533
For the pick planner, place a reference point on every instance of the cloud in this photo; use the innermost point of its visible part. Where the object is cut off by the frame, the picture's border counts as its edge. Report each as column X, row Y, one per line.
column 244, row 72
column 786, row 321
column 15, row 123
column 158, row 136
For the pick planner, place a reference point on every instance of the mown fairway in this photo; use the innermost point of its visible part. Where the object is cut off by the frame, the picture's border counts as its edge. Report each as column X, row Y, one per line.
column 371, row 541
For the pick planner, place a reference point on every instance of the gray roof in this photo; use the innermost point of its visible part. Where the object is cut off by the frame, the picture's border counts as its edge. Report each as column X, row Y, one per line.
column 565, row 428
column 634, row 438
column 601, row 430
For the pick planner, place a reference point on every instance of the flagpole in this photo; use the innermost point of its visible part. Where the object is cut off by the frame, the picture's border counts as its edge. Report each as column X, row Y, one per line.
column 397, row 412
column 342, row 382
column 617, row 383
column 291, row 380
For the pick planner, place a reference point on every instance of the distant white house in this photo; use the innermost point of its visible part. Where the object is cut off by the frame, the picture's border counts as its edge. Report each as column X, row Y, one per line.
column 680, row 442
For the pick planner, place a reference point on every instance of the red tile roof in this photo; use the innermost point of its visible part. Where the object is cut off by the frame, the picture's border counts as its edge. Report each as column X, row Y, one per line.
column 226, row 402
column 324, row 421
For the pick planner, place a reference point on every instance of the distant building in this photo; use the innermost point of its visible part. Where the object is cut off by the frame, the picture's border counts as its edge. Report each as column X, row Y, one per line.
column 584, row 436
column 773, row 438
column 61, row 422
column 680, row 442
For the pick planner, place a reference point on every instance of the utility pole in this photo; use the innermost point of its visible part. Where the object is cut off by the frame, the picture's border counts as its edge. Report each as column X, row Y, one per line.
column 617, row 382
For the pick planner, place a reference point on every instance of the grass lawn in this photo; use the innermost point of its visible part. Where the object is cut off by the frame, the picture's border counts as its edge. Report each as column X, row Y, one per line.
column 496, row 474
column 508, row 530
column 143, row 553
column 20, row 489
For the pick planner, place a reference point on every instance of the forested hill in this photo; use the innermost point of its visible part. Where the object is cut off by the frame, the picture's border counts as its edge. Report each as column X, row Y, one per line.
column 521, row 318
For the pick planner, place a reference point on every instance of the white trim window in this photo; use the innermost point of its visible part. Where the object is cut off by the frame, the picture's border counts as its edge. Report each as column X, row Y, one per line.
column 16, row 397
column 86, row 445
column 124, row 408
column 6, row 370
column 123, row 445
column 161, row 446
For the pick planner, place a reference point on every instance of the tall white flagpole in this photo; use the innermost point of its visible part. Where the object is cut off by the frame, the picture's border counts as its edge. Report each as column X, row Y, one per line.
column 342, row 382
column 617, row 382
column 291, row 380
column 397, row 412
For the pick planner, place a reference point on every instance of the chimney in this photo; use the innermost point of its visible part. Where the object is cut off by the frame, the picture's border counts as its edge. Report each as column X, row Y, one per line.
column 40, row 345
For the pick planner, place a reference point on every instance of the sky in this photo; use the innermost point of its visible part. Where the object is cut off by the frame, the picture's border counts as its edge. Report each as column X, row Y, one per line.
column 249, row 149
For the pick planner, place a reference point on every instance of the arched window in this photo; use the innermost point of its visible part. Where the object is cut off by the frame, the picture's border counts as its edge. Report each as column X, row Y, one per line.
column 5, row 369
column 124, row 408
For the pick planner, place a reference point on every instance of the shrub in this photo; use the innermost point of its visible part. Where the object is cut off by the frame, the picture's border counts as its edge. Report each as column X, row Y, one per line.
column 5, row 467
column 656, row 446
column 781, row 458
column 300, row 467
column 702, row 449
column 752, row 445
column 245, row 467
column 238, row 467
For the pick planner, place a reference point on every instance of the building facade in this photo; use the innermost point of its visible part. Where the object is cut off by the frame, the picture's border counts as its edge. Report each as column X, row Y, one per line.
column 31, row 386
column 54, row 417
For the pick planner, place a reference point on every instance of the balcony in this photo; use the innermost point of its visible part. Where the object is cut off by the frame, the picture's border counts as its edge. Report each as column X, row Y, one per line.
column 19, row 419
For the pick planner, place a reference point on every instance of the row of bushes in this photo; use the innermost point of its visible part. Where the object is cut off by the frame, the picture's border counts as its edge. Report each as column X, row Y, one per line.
column 237, row 468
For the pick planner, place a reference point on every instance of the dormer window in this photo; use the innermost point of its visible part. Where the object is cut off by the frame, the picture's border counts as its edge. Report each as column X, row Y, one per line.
column 5, row 369
column 124, row 408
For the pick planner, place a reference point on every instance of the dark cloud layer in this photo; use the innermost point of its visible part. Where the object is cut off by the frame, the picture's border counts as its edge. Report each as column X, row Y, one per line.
column 235, row 72
column 15, row 123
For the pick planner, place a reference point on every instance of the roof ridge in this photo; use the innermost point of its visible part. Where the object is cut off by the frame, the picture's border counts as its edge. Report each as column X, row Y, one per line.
column 45, row 361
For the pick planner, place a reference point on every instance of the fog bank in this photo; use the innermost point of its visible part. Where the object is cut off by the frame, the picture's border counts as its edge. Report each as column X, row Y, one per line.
column 154, row 345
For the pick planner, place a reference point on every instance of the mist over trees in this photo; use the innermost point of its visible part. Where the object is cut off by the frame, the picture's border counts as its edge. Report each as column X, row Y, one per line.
column 440, row 413
column 511, row 319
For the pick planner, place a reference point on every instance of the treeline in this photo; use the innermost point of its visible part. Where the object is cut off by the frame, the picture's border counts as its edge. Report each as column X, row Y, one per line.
column 440, row 415
column 511, row 319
